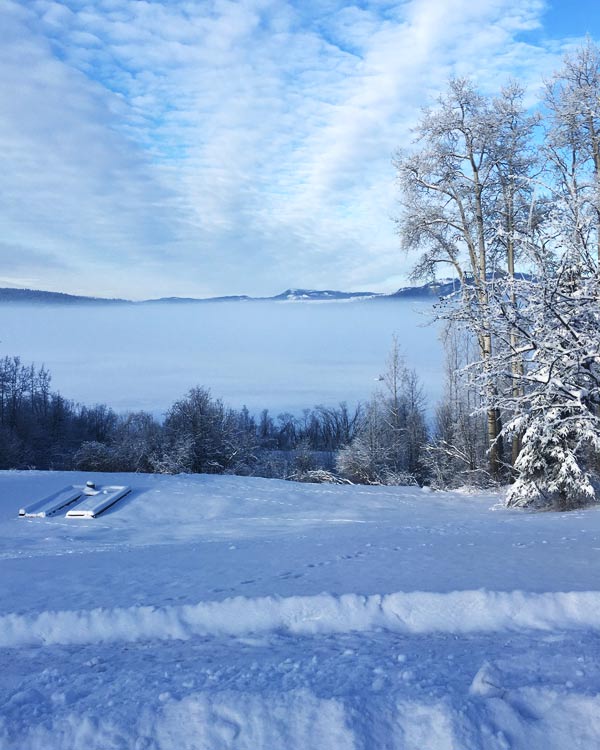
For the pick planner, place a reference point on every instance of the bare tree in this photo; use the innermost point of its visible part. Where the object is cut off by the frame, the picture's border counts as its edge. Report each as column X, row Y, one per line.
column 388, row 445
column 462, row 190
column 456, row 454
column 573, row 142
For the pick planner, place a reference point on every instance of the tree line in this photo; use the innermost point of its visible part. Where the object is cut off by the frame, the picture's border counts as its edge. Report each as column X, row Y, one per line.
column 380, row 442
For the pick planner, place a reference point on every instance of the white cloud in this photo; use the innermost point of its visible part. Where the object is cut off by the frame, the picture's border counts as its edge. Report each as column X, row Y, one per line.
column 214, row 147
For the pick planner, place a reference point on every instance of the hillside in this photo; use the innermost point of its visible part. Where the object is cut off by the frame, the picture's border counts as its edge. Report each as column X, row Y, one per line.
column 38, row 297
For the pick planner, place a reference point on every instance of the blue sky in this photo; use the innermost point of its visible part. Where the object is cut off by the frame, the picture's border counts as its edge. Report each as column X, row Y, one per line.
column 183, row 147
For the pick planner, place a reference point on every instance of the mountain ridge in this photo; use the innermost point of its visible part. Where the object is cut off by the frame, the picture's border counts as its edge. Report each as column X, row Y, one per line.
column 430, row 290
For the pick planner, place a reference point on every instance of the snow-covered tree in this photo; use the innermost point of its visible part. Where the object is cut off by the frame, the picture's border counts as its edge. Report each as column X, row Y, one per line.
column 558, row 316
column 469, row 202
column 573, row 143
column 463, row 192
column 388, row 446
column 203, row 431
column 456, row 454
column 557, row 412
column 370, row 458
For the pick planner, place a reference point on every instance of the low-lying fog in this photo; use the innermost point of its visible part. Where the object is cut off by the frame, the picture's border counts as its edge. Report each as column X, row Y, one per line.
column 280, row 356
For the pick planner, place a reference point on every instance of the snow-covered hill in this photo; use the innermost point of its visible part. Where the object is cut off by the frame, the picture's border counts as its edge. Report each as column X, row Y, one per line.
column 322, row 295
column 229, row 612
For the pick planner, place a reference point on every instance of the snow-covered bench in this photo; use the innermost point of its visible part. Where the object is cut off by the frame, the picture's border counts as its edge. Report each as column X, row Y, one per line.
column 96, row 502
column 51, row 504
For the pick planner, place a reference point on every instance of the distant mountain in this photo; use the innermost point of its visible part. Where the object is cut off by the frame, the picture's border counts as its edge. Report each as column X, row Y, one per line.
column 325, row 294
column 35, row 296
column 54, row 298
column 178, row 300
column 429, row 291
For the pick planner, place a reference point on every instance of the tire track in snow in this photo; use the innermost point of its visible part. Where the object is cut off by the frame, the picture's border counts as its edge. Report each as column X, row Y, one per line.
column 458, row 612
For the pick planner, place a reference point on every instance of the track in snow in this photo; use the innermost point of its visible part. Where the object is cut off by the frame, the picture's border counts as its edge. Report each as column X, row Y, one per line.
column 457, row 612
column 342, row 691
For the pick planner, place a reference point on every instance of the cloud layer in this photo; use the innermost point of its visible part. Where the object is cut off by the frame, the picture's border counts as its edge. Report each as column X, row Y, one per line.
column 155, row 148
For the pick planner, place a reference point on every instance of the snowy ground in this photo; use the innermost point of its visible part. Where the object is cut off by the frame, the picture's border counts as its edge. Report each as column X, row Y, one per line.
column 224, row 612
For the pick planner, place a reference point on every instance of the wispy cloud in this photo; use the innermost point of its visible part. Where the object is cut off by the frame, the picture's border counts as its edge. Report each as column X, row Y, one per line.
column 213, row 147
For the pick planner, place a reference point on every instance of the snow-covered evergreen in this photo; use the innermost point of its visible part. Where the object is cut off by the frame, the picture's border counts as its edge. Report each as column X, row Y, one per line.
column 556, row 411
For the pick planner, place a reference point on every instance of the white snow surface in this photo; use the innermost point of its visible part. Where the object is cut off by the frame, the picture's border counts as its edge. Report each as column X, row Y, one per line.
column 205, row 612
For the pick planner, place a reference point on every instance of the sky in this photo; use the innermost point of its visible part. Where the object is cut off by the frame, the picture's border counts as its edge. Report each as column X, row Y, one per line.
column 197, row 148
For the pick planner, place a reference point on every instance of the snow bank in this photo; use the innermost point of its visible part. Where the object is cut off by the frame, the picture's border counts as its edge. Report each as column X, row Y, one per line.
column 531, row 719
column 457, row 612
column 293, row 720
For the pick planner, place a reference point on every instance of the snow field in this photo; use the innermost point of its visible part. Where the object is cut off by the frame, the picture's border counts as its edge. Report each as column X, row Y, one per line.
column 204, row 613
